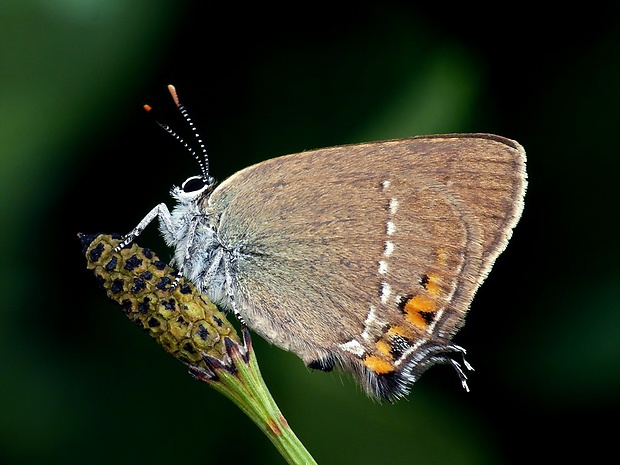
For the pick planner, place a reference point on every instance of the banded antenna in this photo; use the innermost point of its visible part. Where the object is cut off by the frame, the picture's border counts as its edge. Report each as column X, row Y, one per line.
column 202, row 161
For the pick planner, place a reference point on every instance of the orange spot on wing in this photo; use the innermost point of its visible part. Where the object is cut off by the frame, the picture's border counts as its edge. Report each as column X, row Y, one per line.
column 383, row 347
column 401, row 331
column 432, row 286
column 420, row 303
column 378, row 365
column 417, row 305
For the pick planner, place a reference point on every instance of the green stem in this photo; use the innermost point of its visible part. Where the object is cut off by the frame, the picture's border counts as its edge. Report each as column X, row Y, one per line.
column 247, row 389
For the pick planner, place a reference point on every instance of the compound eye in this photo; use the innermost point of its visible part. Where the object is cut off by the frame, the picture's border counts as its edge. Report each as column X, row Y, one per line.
column 193, row 184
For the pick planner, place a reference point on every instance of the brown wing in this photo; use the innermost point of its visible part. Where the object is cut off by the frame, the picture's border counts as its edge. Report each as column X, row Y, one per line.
column 363, row 251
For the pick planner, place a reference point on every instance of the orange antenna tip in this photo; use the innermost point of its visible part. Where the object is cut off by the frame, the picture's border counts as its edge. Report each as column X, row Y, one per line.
column 173, row 92
column 147, row 108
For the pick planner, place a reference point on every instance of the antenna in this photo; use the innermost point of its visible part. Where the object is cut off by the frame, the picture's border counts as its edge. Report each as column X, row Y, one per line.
column 202, row 161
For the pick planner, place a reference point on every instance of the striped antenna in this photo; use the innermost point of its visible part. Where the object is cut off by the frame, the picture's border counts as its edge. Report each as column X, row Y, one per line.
column 202, row 161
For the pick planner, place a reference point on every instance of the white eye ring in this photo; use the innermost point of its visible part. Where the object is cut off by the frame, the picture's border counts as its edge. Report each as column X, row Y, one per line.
column 193, row 187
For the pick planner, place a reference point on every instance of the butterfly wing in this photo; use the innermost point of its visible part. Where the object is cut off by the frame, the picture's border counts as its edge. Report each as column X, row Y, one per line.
column 367, row 256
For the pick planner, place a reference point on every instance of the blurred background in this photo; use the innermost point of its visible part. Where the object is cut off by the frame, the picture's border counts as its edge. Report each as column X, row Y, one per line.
column 79, row 383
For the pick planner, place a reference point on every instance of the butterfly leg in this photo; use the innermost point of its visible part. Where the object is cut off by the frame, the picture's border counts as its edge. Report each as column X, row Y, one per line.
column 212, row 278
column 230, row 294
column 160, row 211
column 191, row 233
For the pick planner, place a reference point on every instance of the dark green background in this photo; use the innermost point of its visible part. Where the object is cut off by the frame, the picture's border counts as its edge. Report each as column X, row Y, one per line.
column 80, row 384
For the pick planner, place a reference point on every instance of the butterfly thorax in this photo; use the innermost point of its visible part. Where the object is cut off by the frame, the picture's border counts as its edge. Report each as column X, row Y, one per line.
column 197, row 251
